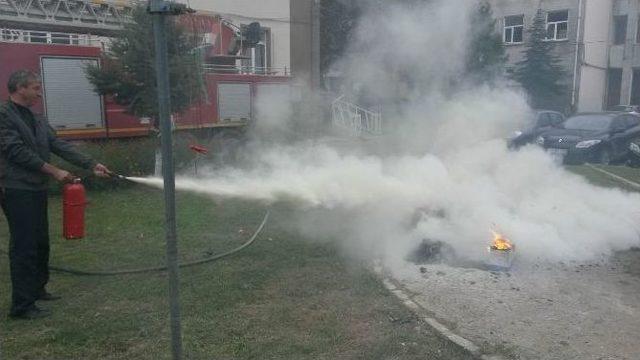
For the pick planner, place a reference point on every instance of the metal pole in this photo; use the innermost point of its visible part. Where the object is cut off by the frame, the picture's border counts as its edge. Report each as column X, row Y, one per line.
column 574, row 90
column 158, row 9
column 315, row 44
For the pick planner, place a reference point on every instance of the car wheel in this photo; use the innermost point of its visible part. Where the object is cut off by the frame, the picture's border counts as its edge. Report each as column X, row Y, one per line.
column 604, row 157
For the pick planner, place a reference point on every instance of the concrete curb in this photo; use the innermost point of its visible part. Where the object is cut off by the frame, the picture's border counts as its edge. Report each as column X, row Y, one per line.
column 445, row 332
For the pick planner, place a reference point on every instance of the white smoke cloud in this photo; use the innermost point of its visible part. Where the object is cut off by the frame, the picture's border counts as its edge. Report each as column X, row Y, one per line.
column 442, row 171
column 370, row 201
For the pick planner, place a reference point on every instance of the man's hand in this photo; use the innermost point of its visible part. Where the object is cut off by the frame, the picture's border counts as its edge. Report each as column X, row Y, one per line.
column 101, row 171
column 63, row 175
column 57, row 173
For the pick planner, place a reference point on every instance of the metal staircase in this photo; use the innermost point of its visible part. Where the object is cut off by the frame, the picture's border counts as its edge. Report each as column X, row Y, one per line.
column 353, row 120
column 97, row 16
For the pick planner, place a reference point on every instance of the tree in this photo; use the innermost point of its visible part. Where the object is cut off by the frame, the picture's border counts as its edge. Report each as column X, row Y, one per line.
column 128, row 72
column 486, row 57
column 540, row 72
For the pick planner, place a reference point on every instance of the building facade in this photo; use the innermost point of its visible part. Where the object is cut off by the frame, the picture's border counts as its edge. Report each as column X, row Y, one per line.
column 305, row 40
column 597, row 41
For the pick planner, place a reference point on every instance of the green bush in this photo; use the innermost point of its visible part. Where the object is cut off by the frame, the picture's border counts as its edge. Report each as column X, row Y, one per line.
column 183, row 157
column 132, row 157
column 129, row 157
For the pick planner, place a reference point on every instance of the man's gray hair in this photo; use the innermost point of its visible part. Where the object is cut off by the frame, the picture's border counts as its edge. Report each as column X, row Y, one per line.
column 21, row 78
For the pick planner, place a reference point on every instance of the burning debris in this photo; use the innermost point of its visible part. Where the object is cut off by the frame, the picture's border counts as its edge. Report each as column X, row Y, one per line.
column 501, row 252
column 431, row 252
column 500, row 243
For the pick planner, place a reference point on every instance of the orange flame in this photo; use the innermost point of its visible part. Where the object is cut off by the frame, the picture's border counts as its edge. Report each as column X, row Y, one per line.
column 500, row 242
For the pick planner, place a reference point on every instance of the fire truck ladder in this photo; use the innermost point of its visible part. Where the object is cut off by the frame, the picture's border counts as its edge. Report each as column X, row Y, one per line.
column 353, row 120
column 103, row 16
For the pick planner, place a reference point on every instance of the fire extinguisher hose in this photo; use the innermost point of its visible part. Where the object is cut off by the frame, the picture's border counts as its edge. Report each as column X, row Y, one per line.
column 205, row 260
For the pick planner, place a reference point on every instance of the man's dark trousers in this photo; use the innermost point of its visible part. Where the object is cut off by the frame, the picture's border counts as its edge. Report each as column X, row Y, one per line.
column 26, row 213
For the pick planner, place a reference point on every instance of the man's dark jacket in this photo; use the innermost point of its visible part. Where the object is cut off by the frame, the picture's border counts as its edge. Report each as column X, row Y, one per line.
column 22, row 153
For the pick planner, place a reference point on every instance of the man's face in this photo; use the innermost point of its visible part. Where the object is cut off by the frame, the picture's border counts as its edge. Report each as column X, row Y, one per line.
column 31, row 93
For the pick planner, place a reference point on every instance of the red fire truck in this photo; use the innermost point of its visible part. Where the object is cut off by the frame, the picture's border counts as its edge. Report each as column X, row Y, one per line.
column 234, row 78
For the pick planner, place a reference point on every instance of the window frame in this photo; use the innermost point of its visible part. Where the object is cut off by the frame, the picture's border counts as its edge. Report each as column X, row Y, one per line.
column 614, row 89
column 512, row 28
column 555, row 26
column 638, row 30
column 624, row 30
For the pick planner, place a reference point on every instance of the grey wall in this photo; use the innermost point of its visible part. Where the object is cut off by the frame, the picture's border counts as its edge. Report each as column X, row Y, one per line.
column 301, row 38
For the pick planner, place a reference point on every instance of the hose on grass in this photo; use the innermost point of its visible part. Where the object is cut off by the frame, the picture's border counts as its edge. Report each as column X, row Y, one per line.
column 79, row 272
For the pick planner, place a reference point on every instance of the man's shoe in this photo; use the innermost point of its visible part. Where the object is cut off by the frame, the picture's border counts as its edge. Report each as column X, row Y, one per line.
column 47, row 296
column 31, row 314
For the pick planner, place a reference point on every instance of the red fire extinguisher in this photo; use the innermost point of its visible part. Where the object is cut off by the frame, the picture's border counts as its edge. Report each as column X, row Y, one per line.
column 73, row 205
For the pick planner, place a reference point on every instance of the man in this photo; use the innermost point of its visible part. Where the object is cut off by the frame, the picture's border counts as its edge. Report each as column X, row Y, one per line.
column 26, row 142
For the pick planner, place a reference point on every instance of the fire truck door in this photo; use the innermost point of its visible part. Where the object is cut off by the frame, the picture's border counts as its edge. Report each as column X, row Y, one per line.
column 69, row 99
column 234, row 101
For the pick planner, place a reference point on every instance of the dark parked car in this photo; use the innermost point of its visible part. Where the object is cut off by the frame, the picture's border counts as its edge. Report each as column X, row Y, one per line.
column 593, row 137
column 542, row 121
column 634, row 153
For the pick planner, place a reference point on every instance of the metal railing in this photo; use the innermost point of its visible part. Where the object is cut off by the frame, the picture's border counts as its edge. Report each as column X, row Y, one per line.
column 355, row 120
column 247, row 70
column 50, row 37
column 96, row 14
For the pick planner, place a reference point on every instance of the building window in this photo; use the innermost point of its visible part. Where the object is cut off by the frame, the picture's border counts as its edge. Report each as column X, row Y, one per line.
column 635, row 87
column 614, row 86
column 638, row 31
column 557, row 25
column 513, row 29
column 619, row 29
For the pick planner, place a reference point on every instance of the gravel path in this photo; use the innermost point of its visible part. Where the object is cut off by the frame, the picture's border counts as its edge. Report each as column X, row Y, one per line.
column 537, row 310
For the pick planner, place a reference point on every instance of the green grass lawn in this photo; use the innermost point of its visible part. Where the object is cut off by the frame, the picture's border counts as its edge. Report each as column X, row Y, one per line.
column 284, row 297
column 598, row 178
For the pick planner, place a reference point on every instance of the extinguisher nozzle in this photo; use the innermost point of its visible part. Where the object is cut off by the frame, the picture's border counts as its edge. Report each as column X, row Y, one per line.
column 118, row 176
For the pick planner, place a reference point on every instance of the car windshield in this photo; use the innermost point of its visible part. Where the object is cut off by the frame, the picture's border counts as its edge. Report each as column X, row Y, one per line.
column 588, row 122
